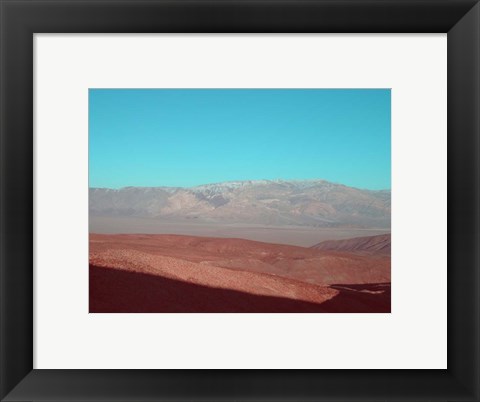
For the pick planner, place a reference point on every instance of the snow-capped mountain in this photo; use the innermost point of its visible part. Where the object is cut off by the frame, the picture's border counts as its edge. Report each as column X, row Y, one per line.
column 269, row 202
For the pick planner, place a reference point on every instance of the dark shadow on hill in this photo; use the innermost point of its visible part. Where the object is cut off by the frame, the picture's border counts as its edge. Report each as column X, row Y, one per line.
column 364, row 298
column 117, row 291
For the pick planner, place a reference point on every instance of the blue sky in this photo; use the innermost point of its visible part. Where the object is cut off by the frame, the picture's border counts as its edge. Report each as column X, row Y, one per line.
column 187, row 137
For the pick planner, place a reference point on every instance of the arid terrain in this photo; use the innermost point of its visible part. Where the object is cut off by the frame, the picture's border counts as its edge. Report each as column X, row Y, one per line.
column 304, row 236
column 245, row 246
column 178, row 273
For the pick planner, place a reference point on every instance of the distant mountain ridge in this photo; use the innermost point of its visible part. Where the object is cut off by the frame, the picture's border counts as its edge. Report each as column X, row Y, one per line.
column 317, row 203
column 381, row 244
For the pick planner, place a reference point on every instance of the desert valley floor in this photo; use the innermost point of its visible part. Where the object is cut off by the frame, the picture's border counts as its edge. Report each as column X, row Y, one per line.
column 166, row 273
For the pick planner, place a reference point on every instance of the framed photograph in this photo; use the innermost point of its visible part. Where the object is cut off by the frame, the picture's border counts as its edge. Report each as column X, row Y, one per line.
column 240, row 200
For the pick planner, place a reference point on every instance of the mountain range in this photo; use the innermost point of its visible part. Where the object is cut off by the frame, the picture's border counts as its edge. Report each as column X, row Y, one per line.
column 314, row 203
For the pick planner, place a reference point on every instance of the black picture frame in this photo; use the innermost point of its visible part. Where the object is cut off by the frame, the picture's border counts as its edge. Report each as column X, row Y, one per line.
column 20, row 19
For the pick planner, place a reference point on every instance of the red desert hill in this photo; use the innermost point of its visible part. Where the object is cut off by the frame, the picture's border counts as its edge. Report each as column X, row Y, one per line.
column 380, row 244
column 169, row 273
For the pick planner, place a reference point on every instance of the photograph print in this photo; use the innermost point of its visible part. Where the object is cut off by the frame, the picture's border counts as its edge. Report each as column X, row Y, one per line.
column 239, row 200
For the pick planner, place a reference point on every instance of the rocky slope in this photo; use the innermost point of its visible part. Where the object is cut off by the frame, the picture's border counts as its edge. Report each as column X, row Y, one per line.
column 380, row 244
column 166, row 273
